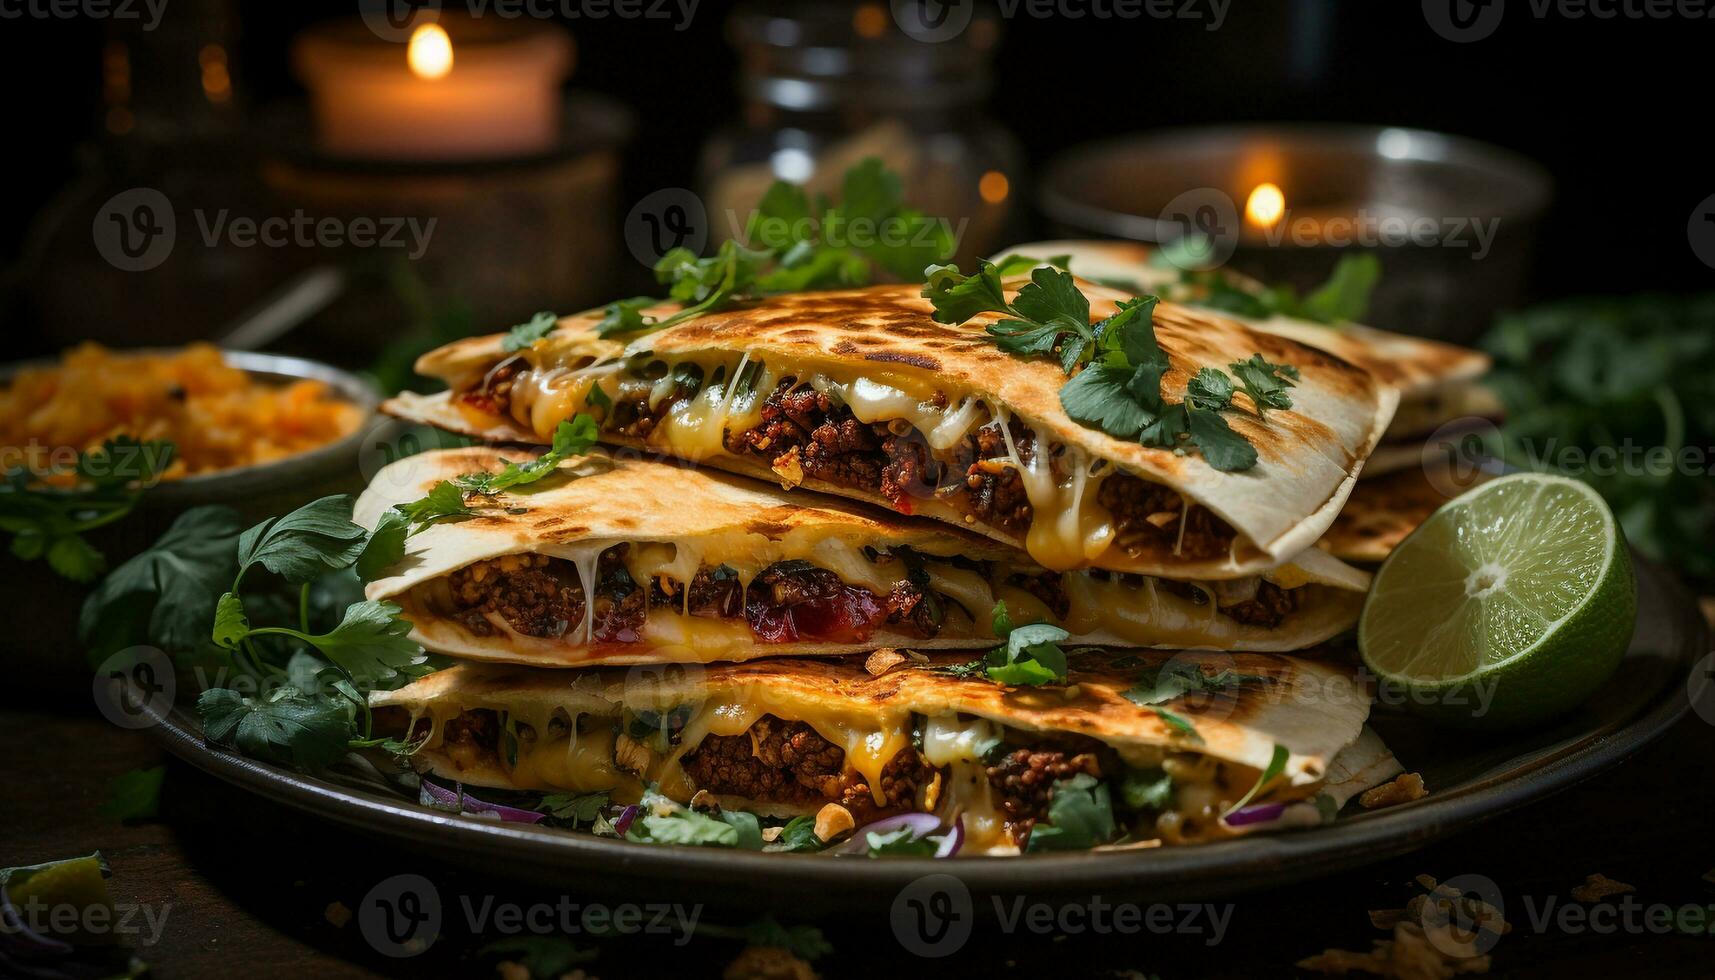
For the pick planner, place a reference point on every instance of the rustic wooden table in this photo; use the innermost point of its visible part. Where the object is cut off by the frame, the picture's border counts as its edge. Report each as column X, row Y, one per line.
column 247, row 886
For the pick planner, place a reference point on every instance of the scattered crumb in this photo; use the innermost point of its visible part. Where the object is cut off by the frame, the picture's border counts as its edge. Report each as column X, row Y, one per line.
column 1403, row 789
column 882, row 661
column 788, row 468
column 1430, row 939
column 768, row 963
column 337, row 914
column 772, row 834
column 1599, row 886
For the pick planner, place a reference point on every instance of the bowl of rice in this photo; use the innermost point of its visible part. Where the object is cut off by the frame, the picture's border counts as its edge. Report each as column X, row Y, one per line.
column 261, row 433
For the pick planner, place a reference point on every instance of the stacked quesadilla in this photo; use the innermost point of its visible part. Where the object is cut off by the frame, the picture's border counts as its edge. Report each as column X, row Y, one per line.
column 769, row 621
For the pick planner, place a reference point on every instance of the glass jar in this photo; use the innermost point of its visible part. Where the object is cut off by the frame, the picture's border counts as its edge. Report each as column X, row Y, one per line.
column 827, row 85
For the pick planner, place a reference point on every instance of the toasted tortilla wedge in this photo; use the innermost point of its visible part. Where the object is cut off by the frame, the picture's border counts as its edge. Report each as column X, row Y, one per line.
column 772, row 573
column 1383, row 511
column 694, row 389
column 1256, row 702
column 1437, row 382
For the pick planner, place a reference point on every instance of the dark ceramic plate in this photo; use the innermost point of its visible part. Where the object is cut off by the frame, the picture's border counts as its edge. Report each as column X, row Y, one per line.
column 1471, row 779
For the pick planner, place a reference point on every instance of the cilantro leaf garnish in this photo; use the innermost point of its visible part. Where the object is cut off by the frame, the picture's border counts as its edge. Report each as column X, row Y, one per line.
column 799, row 834
column 1177, row 678
column 1146, row 789
column 444, row 500
column 303, row 545
column 1266, row 383
column 1115, row 367
column 527, row 333
column 285, row 727
column 574, row 809
column 1080, row 816
column 571, row 437
column 165, row 596
column 1344, row 298
column 1276, row 766
column 665, row 822
column 49, row 522
column 1031, row 655
column 793, row 244
column 903, row 842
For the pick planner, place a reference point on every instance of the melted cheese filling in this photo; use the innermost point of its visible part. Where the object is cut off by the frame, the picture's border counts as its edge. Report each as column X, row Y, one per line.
column 1077, row 533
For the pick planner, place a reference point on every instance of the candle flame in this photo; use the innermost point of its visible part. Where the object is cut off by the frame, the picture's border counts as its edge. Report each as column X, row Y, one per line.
column 1265, row 205
column 430, row 52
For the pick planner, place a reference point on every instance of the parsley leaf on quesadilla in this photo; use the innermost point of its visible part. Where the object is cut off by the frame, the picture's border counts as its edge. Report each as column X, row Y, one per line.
column 1266, row 383
column 285, row 726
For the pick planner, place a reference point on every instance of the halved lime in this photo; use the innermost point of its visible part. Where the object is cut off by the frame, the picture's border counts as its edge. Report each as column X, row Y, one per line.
column 1509, row 605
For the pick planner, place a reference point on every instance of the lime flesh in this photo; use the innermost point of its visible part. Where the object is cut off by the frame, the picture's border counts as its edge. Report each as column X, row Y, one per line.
column 1509, row 605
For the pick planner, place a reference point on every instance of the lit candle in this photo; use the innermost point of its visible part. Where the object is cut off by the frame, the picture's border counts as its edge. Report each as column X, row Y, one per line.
column 460, row 89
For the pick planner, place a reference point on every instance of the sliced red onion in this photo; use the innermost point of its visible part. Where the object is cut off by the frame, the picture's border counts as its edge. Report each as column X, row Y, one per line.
column 920, row 824
column 435, row 794
column 626, row 815
column 1259, row 813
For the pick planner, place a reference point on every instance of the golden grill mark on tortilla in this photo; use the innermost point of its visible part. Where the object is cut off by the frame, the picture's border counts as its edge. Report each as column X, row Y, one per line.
column 1307, row 455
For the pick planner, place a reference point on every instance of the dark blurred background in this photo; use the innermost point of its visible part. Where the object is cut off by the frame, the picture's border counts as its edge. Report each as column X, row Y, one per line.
column 1610, row 108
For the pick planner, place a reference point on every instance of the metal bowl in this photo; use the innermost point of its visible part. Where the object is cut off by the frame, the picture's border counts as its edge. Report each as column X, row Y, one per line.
column 46, row 640
column 1450, row 287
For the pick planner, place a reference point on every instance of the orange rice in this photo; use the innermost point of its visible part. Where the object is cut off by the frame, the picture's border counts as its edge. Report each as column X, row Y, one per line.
column 218, row 416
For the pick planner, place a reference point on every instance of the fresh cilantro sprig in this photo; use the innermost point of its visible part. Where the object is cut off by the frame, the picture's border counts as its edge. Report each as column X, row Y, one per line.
column 447, row 500
column 1116, row 366
column 1344, row 298
column 1080, row 816
column 572, row 437
column 48, row 522
column 527, row 333
column 1175, row 679
column 793, row 244
column 1031, row 655
column 662, row 821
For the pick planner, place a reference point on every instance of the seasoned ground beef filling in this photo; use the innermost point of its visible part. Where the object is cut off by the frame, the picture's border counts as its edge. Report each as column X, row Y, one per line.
column 790, row 601
column 1266, row 608
column 541, row 596
column 1147, row 516
column 1024, row 779
column 535, row 595
column 493, row 393
column 787, row 762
